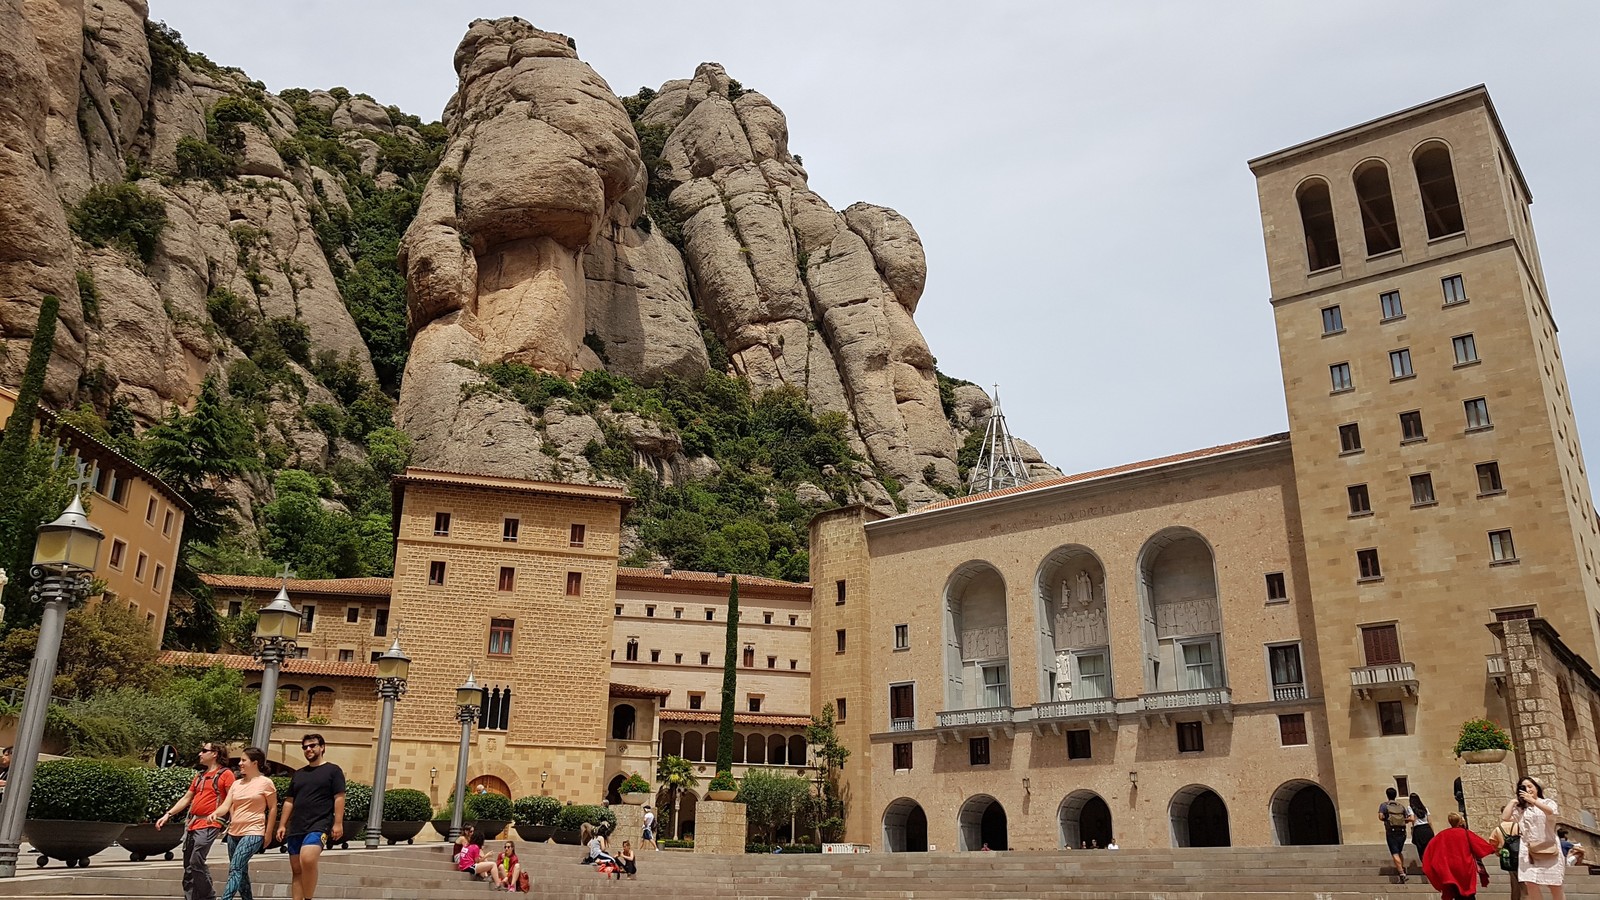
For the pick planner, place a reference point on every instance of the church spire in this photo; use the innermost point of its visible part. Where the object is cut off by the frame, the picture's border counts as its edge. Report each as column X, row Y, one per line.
column 999, row 464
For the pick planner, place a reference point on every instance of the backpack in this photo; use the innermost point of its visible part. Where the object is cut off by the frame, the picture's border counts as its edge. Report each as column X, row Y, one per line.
column 216, row 786
column 1394, row 815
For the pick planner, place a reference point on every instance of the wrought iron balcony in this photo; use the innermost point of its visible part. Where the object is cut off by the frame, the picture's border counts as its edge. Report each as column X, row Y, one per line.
column 902, row 724
column 1288, row 692
column 1201, row 700
column 1367, row 680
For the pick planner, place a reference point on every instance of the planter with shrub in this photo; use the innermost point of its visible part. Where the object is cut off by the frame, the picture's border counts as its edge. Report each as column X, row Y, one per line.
column 536, row 817
column 1482, row 741
column 488, row 814
column 81, row 806
column 144, row 840
column 405, row 811
column 570, row 820
column 722, row 786
column 634, row 790
column 357, row 806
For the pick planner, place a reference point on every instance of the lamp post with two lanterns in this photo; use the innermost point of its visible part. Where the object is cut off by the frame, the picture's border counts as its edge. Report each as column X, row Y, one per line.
column 277, row 629
column 64, row 555
column 393, row 668
column 468, row 698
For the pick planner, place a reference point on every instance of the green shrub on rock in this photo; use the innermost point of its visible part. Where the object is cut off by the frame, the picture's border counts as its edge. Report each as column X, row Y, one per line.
column 121, row 215
column 88, row 790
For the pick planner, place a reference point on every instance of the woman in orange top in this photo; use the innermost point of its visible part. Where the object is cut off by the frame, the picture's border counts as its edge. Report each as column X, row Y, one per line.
column 253, row 804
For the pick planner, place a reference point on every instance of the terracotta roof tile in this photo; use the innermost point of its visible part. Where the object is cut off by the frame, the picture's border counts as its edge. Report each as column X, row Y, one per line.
column 185, row 659
column 619, row 689
column 364, row 587
column 712, row 717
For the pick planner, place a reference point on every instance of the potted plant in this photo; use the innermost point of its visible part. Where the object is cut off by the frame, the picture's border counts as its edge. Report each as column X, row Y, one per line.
column 405, row 811
column 722, row 786
column 1482, row 741
column 81, row 806
column 634, row 789
column 143, row 841
column 357, row 806
column 570, row 820
column 536, row 817
column 488, row 814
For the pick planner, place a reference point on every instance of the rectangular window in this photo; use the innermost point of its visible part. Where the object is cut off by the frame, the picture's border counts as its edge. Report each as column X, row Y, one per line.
column 766, row 618
column 649, row 611
column 1380, row 644
column 352, row 614
column 1094, row 676
column 705, row 659
column 500, row 632
column 1400, row 363
column 509, row 529
column 441, row 524
column 754, row 701
column 749, row 660
column 902, row 757
column 996, row 686
column 1191, row 737
column 677, row 612
column 574, row 584
column 1078, row 744
column 1200, row 665
column 711, row 615
column 1477, row 413
column 150, row 511
column 119, row 491
column 978, row 751
column 1292, row 729
column 575, row 535
column 1349, row 438
column 1277, row 586
column 308, row 618
column 1339, row 373
column 373, row 656
column 235, row 609
column 1422, row 489
column 655, row 656
column 1389, row 301
column 1288, row 677
column 838, row 588
column 119, row 549
column 838, row 637
column 1411, row 426
column 1367, row 563
column 1466, row 349
column 160, row 576
column 1391, row 717
column 1500, row 548
column 436, row 572
column 903, row 703
column 347, row 656
column 508, row 578
column 696, row 700
column 902, row 637
column 1506, row 615
column 166, row 523
column 794, row 664
column 772, row 662
column 139, row 566
column 380, row 623
column 1489, row 478
column 1332, row 320
column 1360, row 503
column 839, row 705
column 677, row 659
column 1455, row 290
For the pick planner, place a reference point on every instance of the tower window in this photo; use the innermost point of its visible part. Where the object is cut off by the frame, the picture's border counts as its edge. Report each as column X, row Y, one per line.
column 1339, row 374
column 1277, row 586
column 1367, row 563
column 1422, row 490
column 1350, row 438
column 1191, row 737
column 1489, row 479
column 1500, row 547
column 436, row 572
column 1377, row 208
column 574, row 584
column 1466, row 349
column 1400, row 363
column 509, row 529
column 1391, row 717
column 1436, row 180
column 441, row 523
column 508, row 578
column 1411, row 426
column 1316, row 217
column 1332, row 320
column 1389, row 302
column 1477, row 413
column 838, row 587
column 839, row 641
column 1360, row 503
column 1455, row 290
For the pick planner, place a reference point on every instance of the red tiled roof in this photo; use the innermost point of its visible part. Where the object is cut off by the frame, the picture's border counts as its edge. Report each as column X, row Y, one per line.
column 364, row 587
column 188, row 660
column 635, row 690
column 660, row 578
column 1102, row 473
column 712, row 717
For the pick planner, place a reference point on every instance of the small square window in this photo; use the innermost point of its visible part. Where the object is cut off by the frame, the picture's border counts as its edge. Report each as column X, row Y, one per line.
column 696, row 700
column 754, row 701
column 1391, row 717
column 618, row 609
column 235, row 609
column 1411, row 426
column 794, row 665
column 436, row 572
column 772, row 662
column 1292, row 729
column 441, row 524
column 711, row 615
column 1477, row 413
column 1360, row 503
column 1339, row 374
column 352, row 614
column 1466, row 349
column 508, row 578
column 705, row 659
column 1350, row 438
column 839, row 641
column 793, row 621
column 1078, row 744
column 347, row 656
column 649, row 611
column 677, row 659
column 902, row 637
column 374, row 656
column 902, row 757
column 575, row 535
column 1422, row 490
column 766, row 618
column 1400, row 363
column 1389, row 302
column 1489, row 479
column 978, row 751
column 677, row 612
column 1191, row 737
column 1367, row 562
column 1332, row 320
column 839, row 705
column 1277, row 586
column 1500, row 547
column 574, row 584
column 509, row 529
column 1455, row 290
column 655, row 656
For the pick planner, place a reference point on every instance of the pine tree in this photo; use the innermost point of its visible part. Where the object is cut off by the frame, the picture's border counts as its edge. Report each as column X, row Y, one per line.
column 730, row 678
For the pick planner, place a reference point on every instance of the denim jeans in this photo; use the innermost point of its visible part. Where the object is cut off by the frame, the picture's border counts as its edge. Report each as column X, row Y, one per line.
column 196, row 876
column 240, row 849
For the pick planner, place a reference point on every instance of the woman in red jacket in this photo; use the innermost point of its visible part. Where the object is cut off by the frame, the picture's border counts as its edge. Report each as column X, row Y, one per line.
column 1451, row 861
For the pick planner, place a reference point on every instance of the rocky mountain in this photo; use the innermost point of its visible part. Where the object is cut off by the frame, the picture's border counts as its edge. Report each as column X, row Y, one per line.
column 574, row 284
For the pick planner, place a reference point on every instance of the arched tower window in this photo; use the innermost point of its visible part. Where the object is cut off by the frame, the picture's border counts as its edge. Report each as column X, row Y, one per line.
column 1377, row 207
column 1316, row 217
column 623, row 719
column 1436, row 181
column 1182, row 617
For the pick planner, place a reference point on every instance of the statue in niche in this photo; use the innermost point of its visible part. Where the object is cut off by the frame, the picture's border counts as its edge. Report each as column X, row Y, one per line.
column 1085, row 589
column 1063, row 675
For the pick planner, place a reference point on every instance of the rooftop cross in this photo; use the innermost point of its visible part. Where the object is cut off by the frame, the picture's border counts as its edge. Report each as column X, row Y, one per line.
column 82, row 479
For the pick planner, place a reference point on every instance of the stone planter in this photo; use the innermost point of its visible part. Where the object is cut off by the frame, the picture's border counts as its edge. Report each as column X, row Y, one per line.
column 638, row 799
column 566, row 836
column 537, row 834
column 72, row 842
column 145, row 841
column 394, row 832
column 490, row 828
column 353, row 830
column 1483, row 756
column 721, row 796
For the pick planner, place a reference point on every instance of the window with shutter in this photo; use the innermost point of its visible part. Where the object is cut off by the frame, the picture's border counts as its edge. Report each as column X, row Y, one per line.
column 1382, row 644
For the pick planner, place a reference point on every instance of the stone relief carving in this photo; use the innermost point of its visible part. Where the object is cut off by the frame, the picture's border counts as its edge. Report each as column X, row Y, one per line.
column 1183, row 617
column 984, row 643
column 1081, row 619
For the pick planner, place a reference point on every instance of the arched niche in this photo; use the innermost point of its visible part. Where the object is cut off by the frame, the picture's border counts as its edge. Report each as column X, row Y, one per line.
column 977, row 649
column 1436, row 183
column 1074, row 641
column 1376, row 200
column 623, row 720
column 1180, row 611
column 1316, row 221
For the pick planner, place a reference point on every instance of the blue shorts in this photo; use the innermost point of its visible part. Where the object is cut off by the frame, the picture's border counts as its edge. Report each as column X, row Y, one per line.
column 296, row 841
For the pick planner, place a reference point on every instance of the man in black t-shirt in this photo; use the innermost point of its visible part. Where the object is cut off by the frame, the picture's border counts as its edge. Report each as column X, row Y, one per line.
column 313, row 807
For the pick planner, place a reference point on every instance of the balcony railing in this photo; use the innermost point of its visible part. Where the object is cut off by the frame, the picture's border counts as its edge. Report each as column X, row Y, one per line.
column 1364, row 680
column 1192, row 699
column 1076, row 709
column 1496, row 665
column 902, row 724
column 1288, row 692
column 962, row 718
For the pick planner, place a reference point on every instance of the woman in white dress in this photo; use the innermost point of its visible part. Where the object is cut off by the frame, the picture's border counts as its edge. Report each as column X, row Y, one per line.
column 1540, row 863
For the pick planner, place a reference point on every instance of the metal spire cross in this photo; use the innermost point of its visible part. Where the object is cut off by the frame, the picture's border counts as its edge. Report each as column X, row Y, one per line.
column 286, row 574
column 82, row 479
column 999, row 464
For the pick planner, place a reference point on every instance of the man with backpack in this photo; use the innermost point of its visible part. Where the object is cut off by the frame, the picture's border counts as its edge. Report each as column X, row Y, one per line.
column 205, row 794
column 1395, row 816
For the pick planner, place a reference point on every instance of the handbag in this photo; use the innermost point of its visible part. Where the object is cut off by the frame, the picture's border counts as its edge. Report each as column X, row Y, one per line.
column 1510, row 845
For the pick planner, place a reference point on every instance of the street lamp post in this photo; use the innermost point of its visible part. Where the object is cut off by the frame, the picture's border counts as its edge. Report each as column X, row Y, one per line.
column 64, row 554
column 277, row 629
column 393, row 667
column 468, row 698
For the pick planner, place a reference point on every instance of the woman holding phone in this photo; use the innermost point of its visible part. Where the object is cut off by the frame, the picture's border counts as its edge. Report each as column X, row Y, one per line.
column 1540, row 863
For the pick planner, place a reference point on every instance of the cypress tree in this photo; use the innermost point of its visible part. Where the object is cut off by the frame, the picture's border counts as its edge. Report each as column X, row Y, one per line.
column 14, row 445
column 730, row 677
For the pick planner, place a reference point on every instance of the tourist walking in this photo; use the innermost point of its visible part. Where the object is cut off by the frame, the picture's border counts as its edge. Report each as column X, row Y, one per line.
column 1421, row 831
column 649, row 836
column 1540, row 863
column 252, row 810
column 314, row 808
column 1451, row 862
column 1395, row 817
column 205, row 794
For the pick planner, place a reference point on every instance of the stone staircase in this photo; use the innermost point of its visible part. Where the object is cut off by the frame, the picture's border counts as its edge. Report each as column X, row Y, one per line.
column 1275, row 873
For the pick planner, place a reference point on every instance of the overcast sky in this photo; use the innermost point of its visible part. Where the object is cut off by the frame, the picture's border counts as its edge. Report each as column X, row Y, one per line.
column 1076, row 170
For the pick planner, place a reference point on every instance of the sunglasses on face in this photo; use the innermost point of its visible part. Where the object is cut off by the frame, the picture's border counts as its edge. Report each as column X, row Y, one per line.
column 208, row 749
column 309, row 746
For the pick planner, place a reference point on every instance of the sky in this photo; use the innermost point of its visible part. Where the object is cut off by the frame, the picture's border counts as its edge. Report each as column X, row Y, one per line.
column 1076, row 170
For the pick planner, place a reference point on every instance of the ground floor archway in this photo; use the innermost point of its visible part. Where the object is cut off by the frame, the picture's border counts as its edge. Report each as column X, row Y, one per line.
column 905, row 827
column 1199, row 818
column 490, row 784
column 983, row 824
column 613, row 790
column 1303, row 813
column 1085, row 820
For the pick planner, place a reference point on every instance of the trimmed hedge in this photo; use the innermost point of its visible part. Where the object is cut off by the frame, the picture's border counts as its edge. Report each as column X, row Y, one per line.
column 406, row 805
column 759, row 847
column 357, row 800
column 491, row 807
column 88, row 790
column 165, row 787
column 571, row 818
column 536, row 811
